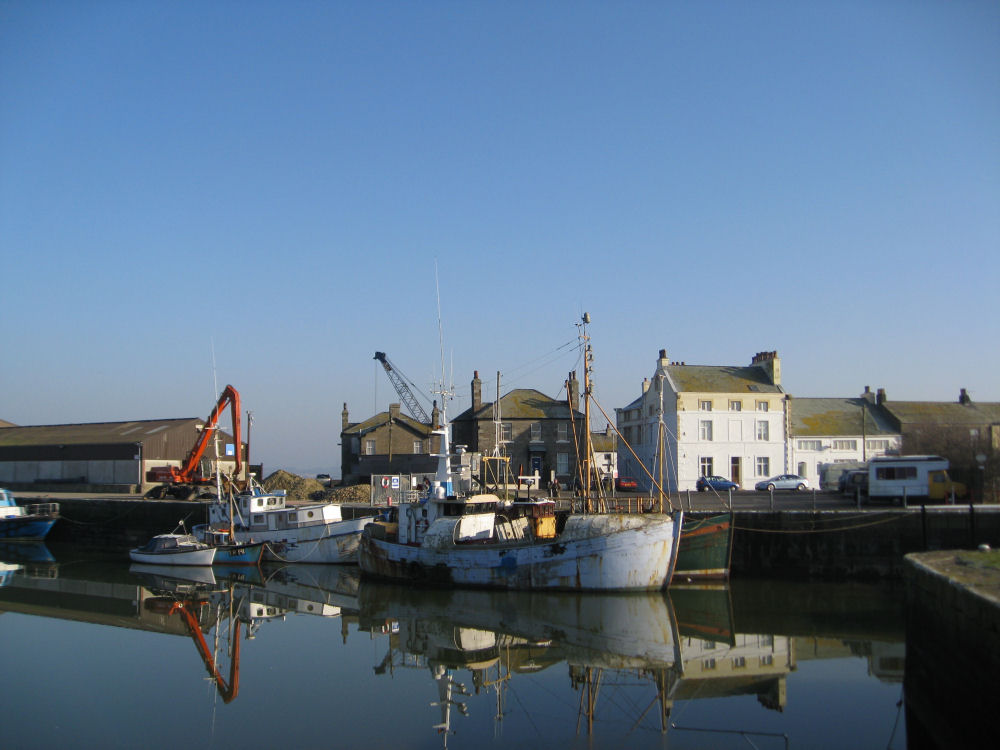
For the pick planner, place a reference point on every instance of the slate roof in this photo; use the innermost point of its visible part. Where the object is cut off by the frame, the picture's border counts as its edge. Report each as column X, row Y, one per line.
column 604, row 442
column 820, row 417
column 724, row 379
column 360, row 428
column 94, row 433
column 522, row 403
column 944, row 412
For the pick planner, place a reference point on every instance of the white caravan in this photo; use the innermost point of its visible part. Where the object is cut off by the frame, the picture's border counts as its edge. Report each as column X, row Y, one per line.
column 919, row 478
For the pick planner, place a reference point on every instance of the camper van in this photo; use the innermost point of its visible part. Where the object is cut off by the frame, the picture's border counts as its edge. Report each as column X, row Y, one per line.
column 917, row 478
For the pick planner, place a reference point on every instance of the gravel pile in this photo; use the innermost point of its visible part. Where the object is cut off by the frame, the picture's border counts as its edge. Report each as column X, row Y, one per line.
column 301, row 489
column 298, row 489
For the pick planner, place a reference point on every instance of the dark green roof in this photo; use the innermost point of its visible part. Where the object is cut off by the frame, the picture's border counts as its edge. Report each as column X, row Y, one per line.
column 714, row 379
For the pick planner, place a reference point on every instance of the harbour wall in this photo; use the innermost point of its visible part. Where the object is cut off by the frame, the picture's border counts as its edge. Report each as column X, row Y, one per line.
column 852, row 544
column 790, row 544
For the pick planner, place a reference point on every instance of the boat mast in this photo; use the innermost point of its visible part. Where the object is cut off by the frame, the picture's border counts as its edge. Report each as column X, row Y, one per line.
column 661, row 439
column 443, row 485
column 588, row 448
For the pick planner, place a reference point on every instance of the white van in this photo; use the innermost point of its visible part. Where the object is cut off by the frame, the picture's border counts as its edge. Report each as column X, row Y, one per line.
column 917, row 478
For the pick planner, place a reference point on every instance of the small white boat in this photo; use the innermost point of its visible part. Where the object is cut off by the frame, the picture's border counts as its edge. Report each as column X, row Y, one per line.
column 173, row 549
column 310, row 533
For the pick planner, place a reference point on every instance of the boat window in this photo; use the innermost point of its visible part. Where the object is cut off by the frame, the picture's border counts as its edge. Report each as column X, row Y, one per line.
column 258, row 520
column 309, row 514
column 291, row 517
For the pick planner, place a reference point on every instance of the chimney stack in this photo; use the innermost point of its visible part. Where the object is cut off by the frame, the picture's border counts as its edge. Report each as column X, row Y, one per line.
column 664, row 360
column 394, row 411
column 477, row 392
column 343, row 419
column 769, row 363
column 880, row 397
column 963, row 398
column 573, row 391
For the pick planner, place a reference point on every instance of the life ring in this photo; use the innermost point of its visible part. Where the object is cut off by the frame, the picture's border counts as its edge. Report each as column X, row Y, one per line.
column 385, row 482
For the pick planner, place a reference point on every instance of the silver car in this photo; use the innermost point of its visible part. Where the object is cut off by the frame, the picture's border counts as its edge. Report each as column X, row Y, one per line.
column 783, row 482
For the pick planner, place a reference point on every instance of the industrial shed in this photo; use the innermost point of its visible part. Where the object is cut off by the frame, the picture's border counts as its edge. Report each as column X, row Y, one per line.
column 106, row 456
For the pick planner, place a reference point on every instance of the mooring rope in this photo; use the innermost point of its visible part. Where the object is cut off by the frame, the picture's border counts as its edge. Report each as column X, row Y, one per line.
column 820, row 531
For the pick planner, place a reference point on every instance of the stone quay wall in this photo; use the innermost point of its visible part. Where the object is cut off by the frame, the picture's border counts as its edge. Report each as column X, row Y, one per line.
column 952, row 648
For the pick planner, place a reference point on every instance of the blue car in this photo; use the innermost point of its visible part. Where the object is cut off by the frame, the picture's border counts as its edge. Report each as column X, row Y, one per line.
column 719, row 484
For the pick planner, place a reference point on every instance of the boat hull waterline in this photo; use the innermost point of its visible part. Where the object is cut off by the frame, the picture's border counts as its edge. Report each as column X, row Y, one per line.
column 180, row 557
column 594, row 553
column 334, row 543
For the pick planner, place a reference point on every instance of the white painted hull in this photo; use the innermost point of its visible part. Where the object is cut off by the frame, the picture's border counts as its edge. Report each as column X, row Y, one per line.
column 174, row 557
column 612, row 552
column 326, row 543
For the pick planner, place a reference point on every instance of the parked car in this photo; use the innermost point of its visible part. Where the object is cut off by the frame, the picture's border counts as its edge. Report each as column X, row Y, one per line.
column 717, row 483
column 626, row 483
column 323, row 479
column 783, row 482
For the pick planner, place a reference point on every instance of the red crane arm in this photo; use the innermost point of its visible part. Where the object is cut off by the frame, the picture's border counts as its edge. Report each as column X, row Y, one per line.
column 229, row 396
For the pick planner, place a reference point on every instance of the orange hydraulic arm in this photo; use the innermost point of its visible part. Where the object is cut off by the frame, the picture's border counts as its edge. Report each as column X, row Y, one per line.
column 227, row 691
column 231, row 396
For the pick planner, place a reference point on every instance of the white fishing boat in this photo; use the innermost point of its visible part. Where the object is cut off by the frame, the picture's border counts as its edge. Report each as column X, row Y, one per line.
column 173, row 549
column 308, row 533
column 482, row 541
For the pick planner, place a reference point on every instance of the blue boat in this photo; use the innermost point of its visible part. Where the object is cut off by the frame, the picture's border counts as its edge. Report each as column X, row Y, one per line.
column 227, row 550
column 31, row 522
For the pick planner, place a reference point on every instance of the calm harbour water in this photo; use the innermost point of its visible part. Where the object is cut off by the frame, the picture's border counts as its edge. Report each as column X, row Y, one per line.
column 104, row 654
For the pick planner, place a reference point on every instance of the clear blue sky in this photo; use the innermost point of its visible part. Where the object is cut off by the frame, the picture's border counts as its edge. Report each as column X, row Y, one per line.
column 274, row 183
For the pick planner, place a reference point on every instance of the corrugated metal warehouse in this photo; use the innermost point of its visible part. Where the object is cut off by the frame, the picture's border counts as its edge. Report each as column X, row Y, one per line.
column 111, row 455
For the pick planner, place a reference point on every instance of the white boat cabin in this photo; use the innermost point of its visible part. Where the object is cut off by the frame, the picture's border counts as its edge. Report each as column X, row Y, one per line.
column 266, row 511
column 477, row 518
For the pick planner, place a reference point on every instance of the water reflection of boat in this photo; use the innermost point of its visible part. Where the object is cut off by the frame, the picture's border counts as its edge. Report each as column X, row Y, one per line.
column 682, row 649
column 176, row 579
column 704, row 611
column 25, row 552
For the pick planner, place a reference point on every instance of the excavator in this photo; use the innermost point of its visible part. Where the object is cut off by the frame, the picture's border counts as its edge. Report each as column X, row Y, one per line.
column 183, row 482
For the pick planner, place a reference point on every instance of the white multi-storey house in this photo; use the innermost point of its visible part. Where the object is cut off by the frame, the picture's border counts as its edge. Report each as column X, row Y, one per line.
column 729, row 421
column 829, row 435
